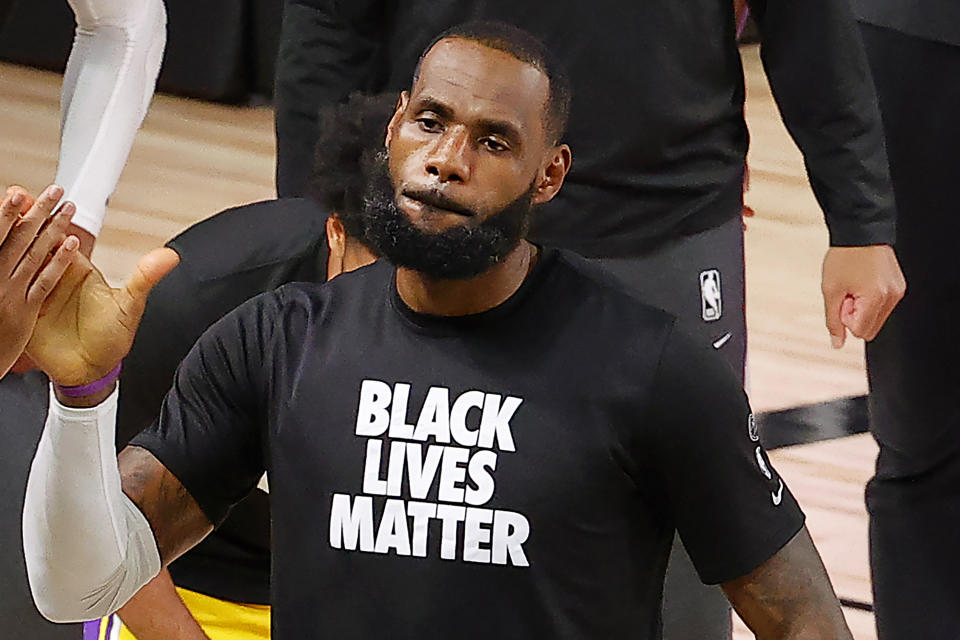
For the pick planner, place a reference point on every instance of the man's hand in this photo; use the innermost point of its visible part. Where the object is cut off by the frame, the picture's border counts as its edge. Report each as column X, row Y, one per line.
column 85, row 327
column 861, row 286
column 28, row 271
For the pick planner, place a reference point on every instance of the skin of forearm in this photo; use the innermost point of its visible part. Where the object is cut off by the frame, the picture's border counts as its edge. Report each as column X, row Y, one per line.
column 158, row 613
column 790, row 596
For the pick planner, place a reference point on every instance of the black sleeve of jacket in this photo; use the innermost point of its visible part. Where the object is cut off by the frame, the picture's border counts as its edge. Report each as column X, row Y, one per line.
column 815, row 61
column 328, row 49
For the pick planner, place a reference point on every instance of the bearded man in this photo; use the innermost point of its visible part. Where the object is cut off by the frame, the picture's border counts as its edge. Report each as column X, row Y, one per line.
column 475, row 438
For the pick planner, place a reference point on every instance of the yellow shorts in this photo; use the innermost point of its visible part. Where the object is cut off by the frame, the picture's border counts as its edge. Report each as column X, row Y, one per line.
column 219, row 619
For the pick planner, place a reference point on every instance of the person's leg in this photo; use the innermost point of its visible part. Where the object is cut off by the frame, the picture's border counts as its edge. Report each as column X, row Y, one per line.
column 914, row 363
column 700, row 280
column 23, row 409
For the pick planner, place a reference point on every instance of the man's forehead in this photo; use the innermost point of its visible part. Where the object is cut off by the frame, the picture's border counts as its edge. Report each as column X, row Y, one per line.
column 481, row 81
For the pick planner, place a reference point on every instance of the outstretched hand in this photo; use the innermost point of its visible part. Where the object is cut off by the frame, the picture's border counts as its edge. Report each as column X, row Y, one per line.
column 86, row 327
column 35, row 251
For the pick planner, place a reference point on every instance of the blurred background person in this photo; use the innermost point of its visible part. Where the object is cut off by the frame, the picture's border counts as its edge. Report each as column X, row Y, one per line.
column 914, row 497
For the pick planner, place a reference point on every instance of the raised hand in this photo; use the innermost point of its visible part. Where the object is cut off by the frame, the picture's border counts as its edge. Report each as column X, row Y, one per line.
column 86, row 327
column 28, row 272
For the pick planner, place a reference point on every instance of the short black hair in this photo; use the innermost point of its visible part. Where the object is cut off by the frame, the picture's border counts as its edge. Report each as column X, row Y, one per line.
column 348, row 132
column 525, row 47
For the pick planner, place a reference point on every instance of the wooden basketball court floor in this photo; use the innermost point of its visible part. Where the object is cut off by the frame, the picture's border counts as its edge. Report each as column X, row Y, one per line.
column 192, row 159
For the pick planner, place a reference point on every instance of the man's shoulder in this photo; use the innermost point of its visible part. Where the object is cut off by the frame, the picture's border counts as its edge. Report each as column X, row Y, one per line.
column 250, row 236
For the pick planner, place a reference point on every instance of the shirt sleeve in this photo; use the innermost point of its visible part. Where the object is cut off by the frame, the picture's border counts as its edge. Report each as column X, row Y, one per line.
column 328, row 49
column 730, row 506
column 107, row 87
column 817, row 67
column 211, row 425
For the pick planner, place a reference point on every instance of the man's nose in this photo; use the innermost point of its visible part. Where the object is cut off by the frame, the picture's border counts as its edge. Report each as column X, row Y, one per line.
column 449, row 160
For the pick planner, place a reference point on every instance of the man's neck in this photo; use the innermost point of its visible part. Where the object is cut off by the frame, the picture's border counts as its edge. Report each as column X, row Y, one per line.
column 473, row 295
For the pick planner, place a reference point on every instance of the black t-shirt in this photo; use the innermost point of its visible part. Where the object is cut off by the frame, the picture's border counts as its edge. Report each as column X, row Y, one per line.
column 224, row 261
column 514, row 473
column 656, row 125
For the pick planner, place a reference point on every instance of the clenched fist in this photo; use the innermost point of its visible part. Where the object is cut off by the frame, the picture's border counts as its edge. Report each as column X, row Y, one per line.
column 861, row 286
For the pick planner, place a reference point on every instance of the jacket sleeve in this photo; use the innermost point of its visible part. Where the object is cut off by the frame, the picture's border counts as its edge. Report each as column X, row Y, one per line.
column 817, row 67
column 328, row 49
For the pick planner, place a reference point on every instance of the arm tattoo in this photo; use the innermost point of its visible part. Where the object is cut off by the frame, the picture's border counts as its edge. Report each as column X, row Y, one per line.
column 789, row 596
column 177, row 521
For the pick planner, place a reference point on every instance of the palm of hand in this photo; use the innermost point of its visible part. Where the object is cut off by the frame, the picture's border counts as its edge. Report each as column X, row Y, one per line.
column 84, row 328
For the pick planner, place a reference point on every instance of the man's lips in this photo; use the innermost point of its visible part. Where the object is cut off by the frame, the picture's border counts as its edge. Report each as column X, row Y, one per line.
column 440, row 204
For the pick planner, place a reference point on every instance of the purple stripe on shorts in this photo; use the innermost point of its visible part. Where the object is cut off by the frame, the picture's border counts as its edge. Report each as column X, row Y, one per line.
column 91, row 630
column 112, row 620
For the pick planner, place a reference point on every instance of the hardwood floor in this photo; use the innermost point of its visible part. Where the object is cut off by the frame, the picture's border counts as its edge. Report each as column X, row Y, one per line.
column 193, row 159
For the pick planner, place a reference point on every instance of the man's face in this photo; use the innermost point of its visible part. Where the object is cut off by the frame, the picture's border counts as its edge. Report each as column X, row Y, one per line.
column 469, row 139
column 467, row 159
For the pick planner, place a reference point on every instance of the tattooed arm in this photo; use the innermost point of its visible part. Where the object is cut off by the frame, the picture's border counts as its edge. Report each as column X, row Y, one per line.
column 157, row 611
column 789, row 597
column 92, row 538
column 176, row 519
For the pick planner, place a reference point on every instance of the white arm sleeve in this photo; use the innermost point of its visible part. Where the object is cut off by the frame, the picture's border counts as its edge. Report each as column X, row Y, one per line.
column 88, row 548
column 107, row 87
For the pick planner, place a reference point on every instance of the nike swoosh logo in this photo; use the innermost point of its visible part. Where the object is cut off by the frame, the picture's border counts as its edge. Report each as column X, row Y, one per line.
column 264, row 484
column 778, row 496
column 724, row 339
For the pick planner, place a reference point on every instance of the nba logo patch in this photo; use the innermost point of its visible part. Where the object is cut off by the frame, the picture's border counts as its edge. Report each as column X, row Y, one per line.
column 711, row 303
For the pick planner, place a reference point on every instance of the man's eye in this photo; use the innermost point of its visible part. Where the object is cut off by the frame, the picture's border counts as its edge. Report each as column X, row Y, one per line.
column 492, row 144
column 430, row 125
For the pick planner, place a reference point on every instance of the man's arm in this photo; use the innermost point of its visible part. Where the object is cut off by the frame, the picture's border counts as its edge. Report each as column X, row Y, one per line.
column 92, row 539
column 177, row 521
column 327, row 51
column 107, row 87
column 815, row 61
column 789, row 596
column 158, row 613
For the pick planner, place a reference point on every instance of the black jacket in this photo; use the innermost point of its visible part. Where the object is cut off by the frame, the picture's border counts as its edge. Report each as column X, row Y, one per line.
column 657, row 129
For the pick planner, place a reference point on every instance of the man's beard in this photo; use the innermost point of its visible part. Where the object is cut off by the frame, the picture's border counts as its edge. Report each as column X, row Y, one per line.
column 460, row 252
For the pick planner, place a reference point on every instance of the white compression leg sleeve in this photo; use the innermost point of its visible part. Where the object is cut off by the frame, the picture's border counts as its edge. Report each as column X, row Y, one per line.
column 88, row 548
column 110, row 78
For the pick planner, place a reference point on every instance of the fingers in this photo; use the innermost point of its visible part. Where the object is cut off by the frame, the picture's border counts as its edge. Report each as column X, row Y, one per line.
column 863, row 317
column 19, row 237
column 150, row 270
column 870, row 312
column 832, row 305
column 10, row 210
column 52, row 235
column 45, row 283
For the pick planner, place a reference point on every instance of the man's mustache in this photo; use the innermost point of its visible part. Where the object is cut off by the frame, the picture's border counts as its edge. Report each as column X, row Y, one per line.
column 438, row 200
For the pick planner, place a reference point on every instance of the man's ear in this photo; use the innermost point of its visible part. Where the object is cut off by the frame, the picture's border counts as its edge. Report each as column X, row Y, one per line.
column 397, row 114
column 553, row 173
column 337, row 242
